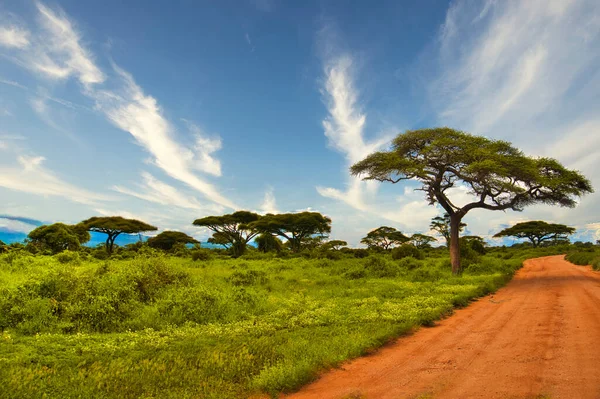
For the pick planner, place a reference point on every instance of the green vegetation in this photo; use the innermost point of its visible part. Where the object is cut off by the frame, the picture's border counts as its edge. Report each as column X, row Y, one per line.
column 498, row 175
column 538, row 232
column 233, row 231
column 146, row 324
column 169, row 240
column 57, row 237
column 585, row 254
column 384, row 238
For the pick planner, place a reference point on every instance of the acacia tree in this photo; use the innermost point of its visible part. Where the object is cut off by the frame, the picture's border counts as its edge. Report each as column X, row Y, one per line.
column 336, row 245
column 233, row 230
column 421, row 241
column 384, row 237
column 168, row 239
column 58, row 237
column 441, row 224
column 497, row 175
column 296, row 228
column 537, row 231
column 114, row 226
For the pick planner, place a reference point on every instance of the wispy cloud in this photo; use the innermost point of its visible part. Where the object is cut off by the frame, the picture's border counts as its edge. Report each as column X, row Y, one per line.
column 57, row 53
column 154, row 190
column 32, row 177
column 269, row 204
column 344, row 128
column 14, row 37
column 249, row 41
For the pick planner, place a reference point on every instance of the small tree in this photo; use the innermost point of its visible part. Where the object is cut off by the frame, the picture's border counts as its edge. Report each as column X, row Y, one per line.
column 336, row 245
column 421, row 241
column 58, row 237
column 537, row 232
column 268, row 243
column 234, row 231
column 384, row 237
column 498, row 175
column 294, row 227
column 114, row 226
column 441, row 224
column 168, row 239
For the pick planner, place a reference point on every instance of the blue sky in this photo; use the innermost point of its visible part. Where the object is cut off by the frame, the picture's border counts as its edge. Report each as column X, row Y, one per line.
column 169, row 111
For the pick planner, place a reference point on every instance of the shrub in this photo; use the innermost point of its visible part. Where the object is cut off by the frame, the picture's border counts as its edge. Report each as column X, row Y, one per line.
column 201, row 254
column 378, row 266
column 409, row 263
column 406, row 250
column 67, row 257
column 249, row 277
column 355, row 273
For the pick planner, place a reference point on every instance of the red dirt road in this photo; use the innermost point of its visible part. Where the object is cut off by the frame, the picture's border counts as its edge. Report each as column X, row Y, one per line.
column 539, row 335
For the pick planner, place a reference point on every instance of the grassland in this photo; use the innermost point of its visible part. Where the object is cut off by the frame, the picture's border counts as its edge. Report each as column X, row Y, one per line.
column 157, row 326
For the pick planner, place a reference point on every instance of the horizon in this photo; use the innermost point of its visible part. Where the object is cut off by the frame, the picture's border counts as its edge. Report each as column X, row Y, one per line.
column 180, row 112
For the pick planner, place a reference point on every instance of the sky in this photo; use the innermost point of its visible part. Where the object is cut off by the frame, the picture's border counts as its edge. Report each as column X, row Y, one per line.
column 170, row 111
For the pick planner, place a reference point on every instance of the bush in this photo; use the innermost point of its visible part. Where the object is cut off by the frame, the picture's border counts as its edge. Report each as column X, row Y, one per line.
column 67, row 257
column 406, row 250
column 249, row 277
column 583, row 257
column 378, row 266
column 201, row 254
column 409, row 263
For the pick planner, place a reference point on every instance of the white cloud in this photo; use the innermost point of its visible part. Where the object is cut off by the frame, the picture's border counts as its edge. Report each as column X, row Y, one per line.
column 32, row 177
column 156, row 191
column 57, row 52
column 131, row 110
column 14, row 37
column 269, row 205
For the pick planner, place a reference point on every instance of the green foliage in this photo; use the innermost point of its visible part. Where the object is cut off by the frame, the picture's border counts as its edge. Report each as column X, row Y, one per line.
column 169, row 239
column 584, row 257
column 114, row 226
column 295, row 228
column 159, row 326
column 58, row 237
column 384, row 238
column 406, row 250
column 268, row 243
column 421, row 241
column 201, row 254
column 537, row 231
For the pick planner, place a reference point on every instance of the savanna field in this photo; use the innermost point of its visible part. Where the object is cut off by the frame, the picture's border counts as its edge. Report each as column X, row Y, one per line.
column 197, row 324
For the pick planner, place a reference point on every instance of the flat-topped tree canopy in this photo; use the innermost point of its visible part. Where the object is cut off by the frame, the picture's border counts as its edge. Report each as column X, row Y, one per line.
column 421, row 240
column 294, row 227
column 58, row 237
column 113, row 226
column 384, row 237
column 234, row 228
column 498, row 175
column 537, row 231
column 168, row 239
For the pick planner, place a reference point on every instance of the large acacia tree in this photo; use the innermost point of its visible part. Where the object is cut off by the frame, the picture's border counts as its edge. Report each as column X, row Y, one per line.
column 114, row 226
column 537, row 231
column 233, row 230
column 294, row 227
column 384, row 237
column 497, row 175
column 421, row 241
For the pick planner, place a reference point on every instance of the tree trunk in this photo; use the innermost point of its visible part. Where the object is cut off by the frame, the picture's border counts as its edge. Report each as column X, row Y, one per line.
column 455, row 243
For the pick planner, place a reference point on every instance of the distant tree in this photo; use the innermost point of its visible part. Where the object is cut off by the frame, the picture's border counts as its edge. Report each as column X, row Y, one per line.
column 597, row 242
column 2, row 244
column 221, row 239
column 3, row 247
column 537, row 231
column 498, row 175
column 235, row 229
column 336, row 245
column 168, row 239
column 268, row 243
column 475, row 243
column 58, row 237
column 114, row 226
column 384, row 237
column 421, row 241
column 441, row 224
column 296, row 228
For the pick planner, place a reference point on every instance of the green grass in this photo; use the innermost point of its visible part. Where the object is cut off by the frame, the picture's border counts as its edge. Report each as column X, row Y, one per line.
column 167, row 327
column 585, row 256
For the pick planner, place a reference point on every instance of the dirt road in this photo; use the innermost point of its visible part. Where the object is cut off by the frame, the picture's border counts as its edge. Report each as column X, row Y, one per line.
column 538, row 337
